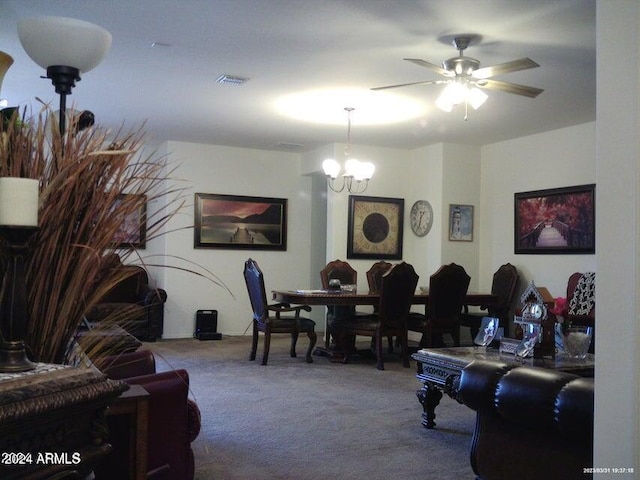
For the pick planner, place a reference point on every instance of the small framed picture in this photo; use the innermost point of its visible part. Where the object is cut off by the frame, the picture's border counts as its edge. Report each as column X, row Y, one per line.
column 460, row 223
column 133, row 230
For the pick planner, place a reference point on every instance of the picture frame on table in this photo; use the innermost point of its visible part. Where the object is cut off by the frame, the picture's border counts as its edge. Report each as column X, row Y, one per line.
column 555, row 221
column 460, row 223
column 133, row 230
column 375, row 227
column 240, row 222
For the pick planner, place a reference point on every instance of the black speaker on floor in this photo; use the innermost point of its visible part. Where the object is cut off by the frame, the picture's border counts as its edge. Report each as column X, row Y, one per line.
column 207, row 325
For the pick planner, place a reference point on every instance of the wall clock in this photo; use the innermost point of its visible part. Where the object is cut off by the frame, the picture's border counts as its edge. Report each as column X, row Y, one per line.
column 421, row 217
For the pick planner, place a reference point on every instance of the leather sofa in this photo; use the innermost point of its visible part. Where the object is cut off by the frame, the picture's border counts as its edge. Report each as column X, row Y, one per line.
column 174, row 419
column 132, row 303
column 532, row 423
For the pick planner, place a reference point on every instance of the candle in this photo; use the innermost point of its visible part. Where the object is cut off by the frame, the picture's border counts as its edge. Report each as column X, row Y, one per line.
column 18, row 202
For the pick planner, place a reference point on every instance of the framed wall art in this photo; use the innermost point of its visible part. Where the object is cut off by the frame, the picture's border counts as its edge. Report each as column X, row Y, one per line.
column 375, row 227
column 460, row 223
column 240, row 222
column 133, row 230
column 556, row 221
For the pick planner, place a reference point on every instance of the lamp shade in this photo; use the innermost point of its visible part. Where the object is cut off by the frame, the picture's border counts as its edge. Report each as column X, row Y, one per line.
column 5, row 62
column 19, row 201
column 64, row 41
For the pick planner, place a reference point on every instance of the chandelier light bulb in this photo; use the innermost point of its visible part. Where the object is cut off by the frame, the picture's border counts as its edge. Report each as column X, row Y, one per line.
column 331, row 168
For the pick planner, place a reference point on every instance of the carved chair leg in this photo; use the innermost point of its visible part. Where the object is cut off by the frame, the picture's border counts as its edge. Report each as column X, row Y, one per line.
column 313, row 338
column 404, row 352
column 294, row 341
column 380, row 362
column 254, row 343
column 267, row 345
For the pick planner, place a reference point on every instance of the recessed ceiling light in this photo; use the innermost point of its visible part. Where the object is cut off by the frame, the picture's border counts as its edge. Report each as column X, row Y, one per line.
column 160, row 44
column 231, row 79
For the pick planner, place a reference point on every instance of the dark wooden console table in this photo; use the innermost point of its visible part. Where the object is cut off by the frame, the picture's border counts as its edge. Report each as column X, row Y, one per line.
column 53, row 420
column 439, row 370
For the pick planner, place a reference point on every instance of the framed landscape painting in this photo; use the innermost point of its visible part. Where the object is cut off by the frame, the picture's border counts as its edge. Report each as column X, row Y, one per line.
column 240, row 222
column 133, row 230
column 375, row 227
column 556, row 221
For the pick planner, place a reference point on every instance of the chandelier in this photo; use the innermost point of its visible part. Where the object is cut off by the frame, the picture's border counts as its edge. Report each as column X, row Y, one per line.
column 357, row 174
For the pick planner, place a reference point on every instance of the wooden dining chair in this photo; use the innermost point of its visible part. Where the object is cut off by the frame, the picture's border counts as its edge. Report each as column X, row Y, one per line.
column 268, row 319
column 342, row 271
column 397, row 289
column 447, row 290
column 503, row 286
column 374, row 280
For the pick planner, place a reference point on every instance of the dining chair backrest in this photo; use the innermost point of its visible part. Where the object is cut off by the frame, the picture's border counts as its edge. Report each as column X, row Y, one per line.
column 398, row 287
column 254, row 279
column 447, row 290
column 505, row 280
column 374, row 275
column 340, row 270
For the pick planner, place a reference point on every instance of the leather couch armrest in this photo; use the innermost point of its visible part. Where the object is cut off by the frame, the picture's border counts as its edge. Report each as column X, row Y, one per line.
column 478, row 383
column 170, row 431
column 126, row 365
column 152, row 296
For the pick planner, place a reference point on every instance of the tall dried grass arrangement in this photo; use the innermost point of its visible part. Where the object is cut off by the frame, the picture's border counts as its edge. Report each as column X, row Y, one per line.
column 81, row 175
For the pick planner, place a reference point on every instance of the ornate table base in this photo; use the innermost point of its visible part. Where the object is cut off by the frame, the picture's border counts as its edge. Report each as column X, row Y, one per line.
column 439, row 370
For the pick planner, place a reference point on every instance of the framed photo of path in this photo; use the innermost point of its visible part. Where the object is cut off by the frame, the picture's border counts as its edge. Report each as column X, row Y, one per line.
column 375, row 227
column 556, row 221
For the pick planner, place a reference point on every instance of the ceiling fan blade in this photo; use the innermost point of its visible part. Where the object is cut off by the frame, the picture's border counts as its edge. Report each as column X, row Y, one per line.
column 508, row 87
column 412, row 83
column 432, row 66
column 502, row 68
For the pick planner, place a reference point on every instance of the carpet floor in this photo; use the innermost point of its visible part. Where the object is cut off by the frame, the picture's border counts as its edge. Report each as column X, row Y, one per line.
column 299, row 421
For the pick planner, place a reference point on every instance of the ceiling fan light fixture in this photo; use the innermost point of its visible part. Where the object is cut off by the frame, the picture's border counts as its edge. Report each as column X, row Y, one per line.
column 476, row 97
column 453, row 94
column 456, row 93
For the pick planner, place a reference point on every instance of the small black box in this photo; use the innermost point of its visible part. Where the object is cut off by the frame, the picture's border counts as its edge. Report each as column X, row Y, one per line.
column 207, row 325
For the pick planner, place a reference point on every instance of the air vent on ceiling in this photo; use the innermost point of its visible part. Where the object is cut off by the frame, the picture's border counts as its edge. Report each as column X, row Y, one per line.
column 231, row 79
column 288, row 146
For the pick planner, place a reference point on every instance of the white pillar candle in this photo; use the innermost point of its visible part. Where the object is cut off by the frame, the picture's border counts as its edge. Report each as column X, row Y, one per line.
column 19, row 201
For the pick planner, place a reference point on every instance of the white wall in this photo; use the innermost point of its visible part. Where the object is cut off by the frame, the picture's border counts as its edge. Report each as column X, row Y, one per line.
column 236, row 171
column 560, row 158
column 617, row 421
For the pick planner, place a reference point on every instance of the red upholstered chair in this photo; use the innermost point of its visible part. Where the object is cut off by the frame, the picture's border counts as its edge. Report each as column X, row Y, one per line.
column 174, row 419
column 581, row 302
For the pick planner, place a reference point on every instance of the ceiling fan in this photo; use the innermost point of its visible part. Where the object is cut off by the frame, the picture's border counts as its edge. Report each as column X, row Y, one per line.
column 464, row 73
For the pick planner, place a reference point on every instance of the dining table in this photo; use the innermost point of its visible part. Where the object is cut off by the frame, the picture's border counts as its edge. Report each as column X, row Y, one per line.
column 343, row 297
